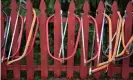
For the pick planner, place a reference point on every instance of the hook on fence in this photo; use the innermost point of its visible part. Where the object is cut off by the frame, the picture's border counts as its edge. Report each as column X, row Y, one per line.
column 76, row 44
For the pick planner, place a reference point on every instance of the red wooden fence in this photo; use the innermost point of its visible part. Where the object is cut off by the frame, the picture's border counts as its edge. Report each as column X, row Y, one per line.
column 57, row 67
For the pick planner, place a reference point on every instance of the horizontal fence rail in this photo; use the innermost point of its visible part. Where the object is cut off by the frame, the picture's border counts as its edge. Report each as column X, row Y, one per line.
column 54, row 30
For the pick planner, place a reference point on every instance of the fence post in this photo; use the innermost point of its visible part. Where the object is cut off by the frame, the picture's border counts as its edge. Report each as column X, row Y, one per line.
column 83, row 68
column 114, row 18
column 99, row 19
column 57, row 38
column 127, row 34
column 44, row 53
column 71, row 38
column 30, row 61
column 3, row 66
column 16, row 65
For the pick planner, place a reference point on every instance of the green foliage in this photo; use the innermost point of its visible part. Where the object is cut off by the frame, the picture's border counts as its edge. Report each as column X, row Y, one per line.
column 78, row 3
column 6, row 5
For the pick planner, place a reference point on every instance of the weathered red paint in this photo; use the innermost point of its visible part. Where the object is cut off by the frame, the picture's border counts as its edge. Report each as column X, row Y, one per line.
column 127, row 34
column 30, row 61
column 99, row 19
column 64, row 68
column 16, row 70
column 114, row 18
column 3, row 66
column 57, row 67
column 70, row 39
column 57, row 38
column 44, row 53
column 84, row 70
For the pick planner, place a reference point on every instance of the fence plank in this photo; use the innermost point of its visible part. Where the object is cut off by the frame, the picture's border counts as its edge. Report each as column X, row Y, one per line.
column 16, row 70
column 30, row 62
column 3, row 66
column 57, row 38
column 1, row 33
column 127, row 34
column 83, row 69
column 99, row 19
column 71, row 38
column 114, row 19
column 44, row 53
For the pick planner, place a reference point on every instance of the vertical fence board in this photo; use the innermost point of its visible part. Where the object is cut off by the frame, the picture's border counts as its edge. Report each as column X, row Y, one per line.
column 114, row 19
column 83, row 69
column 1, row 34
column 57, row 38
column 99, row 19
column 71, row 36
column 127, row 34
column 44, row 53
column 16, row 68
column 30, row 62
column 3, row 66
